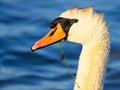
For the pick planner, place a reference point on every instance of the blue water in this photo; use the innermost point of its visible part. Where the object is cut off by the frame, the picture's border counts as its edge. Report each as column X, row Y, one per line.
column 22, row 22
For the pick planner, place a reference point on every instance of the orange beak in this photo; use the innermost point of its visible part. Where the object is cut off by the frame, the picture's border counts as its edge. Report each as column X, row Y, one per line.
column 56, row 34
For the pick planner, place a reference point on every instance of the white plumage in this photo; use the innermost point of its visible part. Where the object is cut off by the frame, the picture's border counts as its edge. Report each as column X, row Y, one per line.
column 92, row 33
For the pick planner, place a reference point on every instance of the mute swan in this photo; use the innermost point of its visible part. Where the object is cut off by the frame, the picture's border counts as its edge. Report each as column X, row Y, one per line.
column 83, row 26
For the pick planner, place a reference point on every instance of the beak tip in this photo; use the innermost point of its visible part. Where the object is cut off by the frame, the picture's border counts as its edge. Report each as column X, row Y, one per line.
column 32, row 49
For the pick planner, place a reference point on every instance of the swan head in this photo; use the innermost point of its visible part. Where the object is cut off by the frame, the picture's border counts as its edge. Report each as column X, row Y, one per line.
column 75, row 25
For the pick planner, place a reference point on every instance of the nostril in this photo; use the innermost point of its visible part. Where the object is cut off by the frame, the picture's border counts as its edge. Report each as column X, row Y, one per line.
column 52, row 33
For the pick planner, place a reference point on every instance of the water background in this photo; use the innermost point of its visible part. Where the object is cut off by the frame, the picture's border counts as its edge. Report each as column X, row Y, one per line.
column 22, row 22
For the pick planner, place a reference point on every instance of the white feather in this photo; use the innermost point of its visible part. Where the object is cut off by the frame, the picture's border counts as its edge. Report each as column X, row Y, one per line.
column 92, row 33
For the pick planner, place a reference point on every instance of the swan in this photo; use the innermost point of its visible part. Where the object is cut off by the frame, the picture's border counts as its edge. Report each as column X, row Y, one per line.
column 88, row 28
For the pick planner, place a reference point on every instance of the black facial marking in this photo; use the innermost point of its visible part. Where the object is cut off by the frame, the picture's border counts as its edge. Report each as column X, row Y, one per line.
column 52, row 33
column 64, row 22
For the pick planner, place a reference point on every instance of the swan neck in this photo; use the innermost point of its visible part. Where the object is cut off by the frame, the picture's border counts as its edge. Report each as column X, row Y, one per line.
column 91, row 66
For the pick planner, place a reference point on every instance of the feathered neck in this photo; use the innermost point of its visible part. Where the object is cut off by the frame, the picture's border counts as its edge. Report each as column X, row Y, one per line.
column 92, row 33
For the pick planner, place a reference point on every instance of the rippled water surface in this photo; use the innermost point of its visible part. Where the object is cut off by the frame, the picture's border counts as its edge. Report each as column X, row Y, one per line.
column 22, row 22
